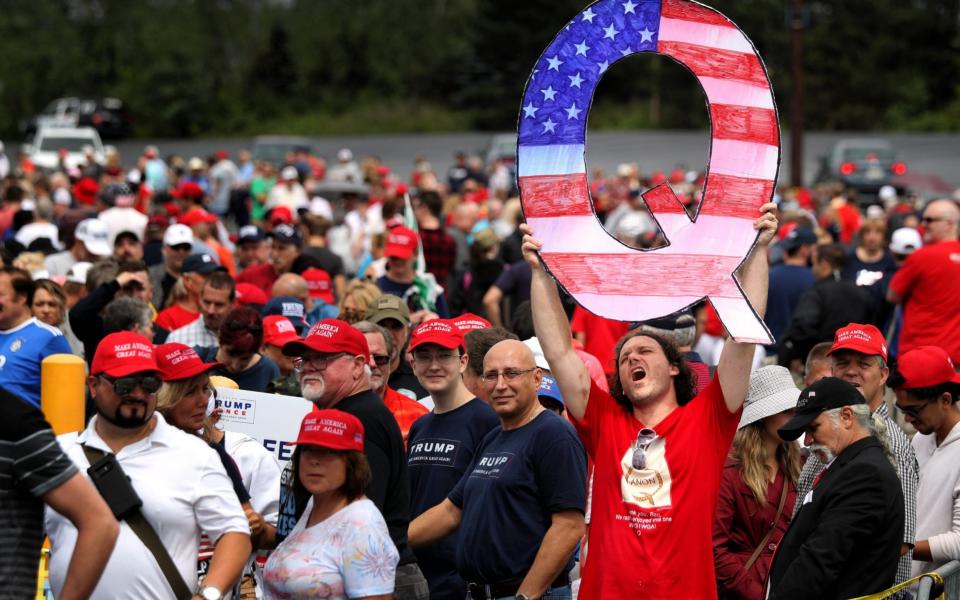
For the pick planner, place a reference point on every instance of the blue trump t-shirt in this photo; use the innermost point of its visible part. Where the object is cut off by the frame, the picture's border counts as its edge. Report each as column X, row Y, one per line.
column 517, row 481
column 440, row 448
column 22, row 349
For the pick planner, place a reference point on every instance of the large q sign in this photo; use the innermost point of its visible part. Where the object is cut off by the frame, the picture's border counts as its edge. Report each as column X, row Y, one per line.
column 605, row 276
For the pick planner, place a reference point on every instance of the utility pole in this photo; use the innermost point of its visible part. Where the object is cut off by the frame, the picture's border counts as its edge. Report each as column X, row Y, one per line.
column 797, row 22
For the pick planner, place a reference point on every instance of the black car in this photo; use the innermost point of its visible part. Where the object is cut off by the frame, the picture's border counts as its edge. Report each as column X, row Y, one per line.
column 864, row 165
column 109, row 116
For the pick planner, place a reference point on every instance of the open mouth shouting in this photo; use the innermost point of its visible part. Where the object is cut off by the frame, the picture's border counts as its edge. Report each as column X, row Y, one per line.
column 638, row 374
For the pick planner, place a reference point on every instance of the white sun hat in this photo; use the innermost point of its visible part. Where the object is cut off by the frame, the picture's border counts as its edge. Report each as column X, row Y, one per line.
column 771, row 391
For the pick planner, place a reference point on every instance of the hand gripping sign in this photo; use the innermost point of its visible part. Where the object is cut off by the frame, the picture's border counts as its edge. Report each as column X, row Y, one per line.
column 605, row 276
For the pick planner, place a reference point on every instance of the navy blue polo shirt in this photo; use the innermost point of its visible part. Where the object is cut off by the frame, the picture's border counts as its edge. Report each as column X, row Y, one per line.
column 517, row 481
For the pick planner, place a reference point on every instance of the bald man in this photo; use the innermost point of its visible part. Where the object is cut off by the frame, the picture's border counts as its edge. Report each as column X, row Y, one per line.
column 315, row 309
column 928, row 284
column 520, row 507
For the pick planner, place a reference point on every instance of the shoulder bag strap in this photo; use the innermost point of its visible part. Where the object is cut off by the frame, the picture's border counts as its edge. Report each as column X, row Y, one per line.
column 150, row 539
column 773, row 526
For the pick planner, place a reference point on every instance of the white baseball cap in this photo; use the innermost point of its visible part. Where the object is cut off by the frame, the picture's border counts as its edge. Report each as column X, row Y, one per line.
column 289, row 172
column 177, row 234
column 95, row 235
column 78, row 272
column 905, row 240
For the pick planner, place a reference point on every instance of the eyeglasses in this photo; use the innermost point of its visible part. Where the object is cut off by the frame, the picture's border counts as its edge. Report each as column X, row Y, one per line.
column 491, row 377
column 913, row 411
column 381, row 359
column 426, row 358
column 645, row 437
column 933, row 219
column 124, row 386
column 318, row 362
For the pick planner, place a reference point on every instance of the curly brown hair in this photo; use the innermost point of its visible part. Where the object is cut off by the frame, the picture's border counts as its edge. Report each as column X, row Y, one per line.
column 683, row 382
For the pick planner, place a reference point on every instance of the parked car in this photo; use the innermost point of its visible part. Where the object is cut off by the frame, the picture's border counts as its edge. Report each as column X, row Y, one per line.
column 865, row 165
column 49, row 142
column 501, row 146
column 109, row 116
column 274, row 148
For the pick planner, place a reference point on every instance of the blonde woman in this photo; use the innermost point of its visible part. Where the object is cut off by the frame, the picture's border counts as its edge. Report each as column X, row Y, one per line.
column 358, row 296
column 758, row 487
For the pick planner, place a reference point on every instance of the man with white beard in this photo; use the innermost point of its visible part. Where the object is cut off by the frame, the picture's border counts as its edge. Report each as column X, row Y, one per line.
column 332, row 365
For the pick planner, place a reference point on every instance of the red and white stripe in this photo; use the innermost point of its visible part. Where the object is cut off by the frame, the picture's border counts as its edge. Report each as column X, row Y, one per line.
column 615, row 281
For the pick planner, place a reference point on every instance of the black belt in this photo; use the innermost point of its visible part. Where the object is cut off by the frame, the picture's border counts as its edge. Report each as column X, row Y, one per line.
column 488, row 591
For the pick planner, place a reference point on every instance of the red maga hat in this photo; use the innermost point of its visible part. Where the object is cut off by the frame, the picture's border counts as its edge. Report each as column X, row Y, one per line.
column 437, row 331
column 180, row 361
column 331, row 428
column 197, row 215
column 401, row 243
column 865, row 339
column 278, row 330
column 124, row 353
column 330, row 336
column 247, row 293
column 926, row 366
column 319, row 284
column 467, row 322
column 188, row 189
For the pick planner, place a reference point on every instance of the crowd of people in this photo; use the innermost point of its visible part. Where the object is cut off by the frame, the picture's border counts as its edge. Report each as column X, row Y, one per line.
column 475, row 434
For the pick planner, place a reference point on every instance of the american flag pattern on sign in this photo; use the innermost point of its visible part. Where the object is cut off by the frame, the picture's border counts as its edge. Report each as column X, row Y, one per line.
column 605, row 276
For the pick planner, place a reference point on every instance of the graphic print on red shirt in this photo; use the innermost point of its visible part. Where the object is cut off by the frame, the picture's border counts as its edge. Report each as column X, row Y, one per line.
column 651, row 528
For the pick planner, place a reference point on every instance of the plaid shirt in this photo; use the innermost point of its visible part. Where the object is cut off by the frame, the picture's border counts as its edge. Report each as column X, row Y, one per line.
column 907, row 470
column 439, row 252
column 194, row 334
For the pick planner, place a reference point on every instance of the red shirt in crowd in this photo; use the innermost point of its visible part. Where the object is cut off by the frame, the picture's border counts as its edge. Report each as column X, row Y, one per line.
column 404, row 410
column 929, row 283
column 601, row 334
column 263, row 276
column 175, row 317
column 651, row 528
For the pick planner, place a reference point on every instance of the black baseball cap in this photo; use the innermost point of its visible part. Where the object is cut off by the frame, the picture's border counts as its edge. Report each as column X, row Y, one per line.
column 286, row 234
column 799, row 236
column 200, row 263
column 251, row 233
column 826, row 394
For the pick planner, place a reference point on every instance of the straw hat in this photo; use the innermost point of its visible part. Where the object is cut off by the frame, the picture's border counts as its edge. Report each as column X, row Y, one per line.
column 771, row 391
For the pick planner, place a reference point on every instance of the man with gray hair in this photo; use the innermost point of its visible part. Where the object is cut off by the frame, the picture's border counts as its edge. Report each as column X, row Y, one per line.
column 128, row 314
column 859, row 357
column 845, row 540
column 382, row 351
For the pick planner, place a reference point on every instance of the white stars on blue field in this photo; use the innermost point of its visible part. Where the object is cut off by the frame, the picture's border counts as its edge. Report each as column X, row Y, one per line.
column 555, row 102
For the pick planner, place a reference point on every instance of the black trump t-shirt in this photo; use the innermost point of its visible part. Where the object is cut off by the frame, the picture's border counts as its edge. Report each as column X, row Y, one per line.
column 440, row 449
column 518, row 480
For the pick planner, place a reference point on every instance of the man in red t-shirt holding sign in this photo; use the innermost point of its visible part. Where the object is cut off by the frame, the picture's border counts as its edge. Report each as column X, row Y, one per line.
column 658, row 450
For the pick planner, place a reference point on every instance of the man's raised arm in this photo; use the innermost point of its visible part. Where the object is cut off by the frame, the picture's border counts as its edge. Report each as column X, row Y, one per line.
column 553, row 331
column 736, row 359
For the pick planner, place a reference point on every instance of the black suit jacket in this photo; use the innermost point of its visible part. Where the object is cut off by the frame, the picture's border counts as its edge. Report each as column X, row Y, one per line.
column 846, row 541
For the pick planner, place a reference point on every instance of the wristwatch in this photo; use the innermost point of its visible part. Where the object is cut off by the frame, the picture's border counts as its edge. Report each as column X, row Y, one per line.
column 211, row 593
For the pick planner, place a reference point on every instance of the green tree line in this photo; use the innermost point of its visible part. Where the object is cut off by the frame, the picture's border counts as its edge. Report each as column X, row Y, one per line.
column 202, row 67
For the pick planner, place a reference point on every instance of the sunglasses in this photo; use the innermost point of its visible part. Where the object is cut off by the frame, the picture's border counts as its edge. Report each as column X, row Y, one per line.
column 509, row 375
column 913, row 411
column 645, row 437
column 124, row 386
column 381, row 359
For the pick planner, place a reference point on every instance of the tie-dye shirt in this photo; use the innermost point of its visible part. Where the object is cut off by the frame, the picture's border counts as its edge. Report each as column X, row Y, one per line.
column 348, row 555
